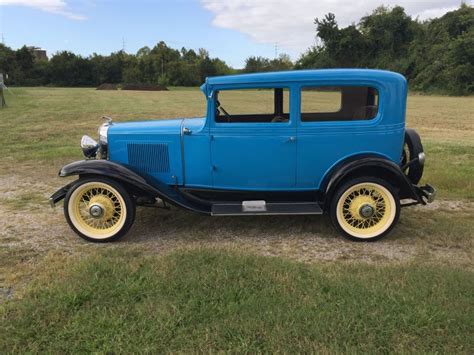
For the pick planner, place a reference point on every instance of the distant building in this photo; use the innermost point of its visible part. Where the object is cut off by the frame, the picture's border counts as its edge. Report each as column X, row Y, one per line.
column 39, row 53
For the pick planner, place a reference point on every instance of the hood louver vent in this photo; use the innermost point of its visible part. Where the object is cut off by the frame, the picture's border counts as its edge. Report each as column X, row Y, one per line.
column 152, row 158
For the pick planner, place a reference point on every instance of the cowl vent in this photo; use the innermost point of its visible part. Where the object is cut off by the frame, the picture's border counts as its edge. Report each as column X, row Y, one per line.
column 152, row 158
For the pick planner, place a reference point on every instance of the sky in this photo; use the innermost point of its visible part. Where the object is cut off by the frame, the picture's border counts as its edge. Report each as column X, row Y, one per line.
column 229, row 29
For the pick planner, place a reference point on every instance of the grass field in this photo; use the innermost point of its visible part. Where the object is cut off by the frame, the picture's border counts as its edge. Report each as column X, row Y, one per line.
column 183, row 282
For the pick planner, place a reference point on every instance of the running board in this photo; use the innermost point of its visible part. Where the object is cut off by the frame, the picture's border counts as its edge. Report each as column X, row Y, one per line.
column 263, row 208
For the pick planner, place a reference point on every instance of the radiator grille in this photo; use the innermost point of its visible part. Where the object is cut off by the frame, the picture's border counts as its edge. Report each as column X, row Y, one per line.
column 152, row 158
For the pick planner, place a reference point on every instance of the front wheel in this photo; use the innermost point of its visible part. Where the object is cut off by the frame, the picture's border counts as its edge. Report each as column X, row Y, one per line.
column 365, row 209
column 99, row 209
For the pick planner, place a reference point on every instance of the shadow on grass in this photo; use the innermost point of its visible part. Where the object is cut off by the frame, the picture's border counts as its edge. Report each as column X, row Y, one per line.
column 176, row 223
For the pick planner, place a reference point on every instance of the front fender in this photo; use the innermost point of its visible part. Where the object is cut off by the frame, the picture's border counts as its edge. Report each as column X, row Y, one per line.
column 108, row 169
column 144, row 184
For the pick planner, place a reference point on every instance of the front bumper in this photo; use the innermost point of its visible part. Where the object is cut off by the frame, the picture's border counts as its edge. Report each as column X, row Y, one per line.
column 60, row 194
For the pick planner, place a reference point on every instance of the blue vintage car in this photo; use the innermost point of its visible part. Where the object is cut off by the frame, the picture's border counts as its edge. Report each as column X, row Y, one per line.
column 296, row 142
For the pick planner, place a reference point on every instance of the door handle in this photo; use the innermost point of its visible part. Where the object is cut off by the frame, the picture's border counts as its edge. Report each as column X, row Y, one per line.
column 186, row 131
column 291, row 139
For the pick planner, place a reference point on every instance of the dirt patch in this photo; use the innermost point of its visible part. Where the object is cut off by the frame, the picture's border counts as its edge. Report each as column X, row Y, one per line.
column 28, row 222
column 447, row 205
column 30, row 230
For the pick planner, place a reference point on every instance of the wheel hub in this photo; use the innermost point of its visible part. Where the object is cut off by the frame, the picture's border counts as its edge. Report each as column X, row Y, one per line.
column 366, row 211
column 96, row 210
column 101, row 207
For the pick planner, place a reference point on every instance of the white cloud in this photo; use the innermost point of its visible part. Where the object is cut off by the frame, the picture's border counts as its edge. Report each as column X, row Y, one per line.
column 58, row 7
column 434, row 13
column 290, row 23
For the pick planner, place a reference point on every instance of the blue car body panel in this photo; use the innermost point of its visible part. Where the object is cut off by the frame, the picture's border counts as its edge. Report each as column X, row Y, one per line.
column 151, row 147
column 286, row 156
column 196, row 157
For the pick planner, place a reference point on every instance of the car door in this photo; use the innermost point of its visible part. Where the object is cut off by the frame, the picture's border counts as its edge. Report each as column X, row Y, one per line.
column 253, row 140
column 340, row 121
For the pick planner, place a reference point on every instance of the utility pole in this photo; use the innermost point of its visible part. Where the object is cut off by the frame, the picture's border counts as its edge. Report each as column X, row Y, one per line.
column 276, row 50
column 123, row 44
column 2, row 97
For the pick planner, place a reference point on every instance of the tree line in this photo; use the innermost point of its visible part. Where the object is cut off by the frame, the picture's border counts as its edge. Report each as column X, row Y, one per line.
column 159, row 65
column 435, row 55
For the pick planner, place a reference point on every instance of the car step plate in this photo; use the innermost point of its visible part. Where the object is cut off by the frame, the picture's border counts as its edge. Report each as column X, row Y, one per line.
column 263, row 208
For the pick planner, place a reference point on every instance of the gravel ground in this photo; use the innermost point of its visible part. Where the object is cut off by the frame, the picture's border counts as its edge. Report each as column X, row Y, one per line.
column 28, row 223
column 32, row 233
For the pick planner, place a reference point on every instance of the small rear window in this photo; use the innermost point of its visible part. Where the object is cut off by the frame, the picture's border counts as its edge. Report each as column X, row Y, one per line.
column 344, row 103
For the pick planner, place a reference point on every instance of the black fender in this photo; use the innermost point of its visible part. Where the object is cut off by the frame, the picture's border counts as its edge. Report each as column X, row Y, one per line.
column 109, row 169
column 368, row 165
column 134, row 182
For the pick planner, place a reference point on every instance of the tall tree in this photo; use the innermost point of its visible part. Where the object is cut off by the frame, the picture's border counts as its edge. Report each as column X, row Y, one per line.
column 434, row 55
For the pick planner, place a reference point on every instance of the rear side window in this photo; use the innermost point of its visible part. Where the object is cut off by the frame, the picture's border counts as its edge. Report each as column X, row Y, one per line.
column 344, row 103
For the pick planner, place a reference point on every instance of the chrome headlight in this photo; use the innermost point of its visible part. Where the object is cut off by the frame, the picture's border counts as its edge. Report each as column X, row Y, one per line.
column 89, row 147
column 103, row 139
column 103, row 130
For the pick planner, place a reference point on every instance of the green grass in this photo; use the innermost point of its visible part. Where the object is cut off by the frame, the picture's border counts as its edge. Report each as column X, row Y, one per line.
column 412, row 292
column 450, row 167
column 47, row 123
column 208, row 301
column 24, row 200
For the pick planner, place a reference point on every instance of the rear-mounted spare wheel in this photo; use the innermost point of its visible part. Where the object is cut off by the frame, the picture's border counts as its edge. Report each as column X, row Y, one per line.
column 411, row 149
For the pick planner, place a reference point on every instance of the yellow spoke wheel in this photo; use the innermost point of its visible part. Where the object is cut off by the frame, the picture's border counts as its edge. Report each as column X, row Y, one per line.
column 98, row 210
column 366, row 210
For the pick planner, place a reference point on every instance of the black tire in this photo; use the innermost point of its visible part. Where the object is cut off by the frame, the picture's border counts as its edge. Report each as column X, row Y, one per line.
column 337, row 205
column 75, row 222
column 412, row 148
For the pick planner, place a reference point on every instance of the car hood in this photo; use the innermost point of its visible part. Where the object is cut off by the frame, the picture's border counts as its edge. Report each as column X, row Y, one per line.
column 166, row 126
column 154, row 147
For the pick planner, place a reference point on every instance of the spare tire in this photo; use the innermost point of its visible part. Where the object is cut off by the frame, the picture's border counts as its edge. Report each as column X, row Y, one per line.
column 411, row 148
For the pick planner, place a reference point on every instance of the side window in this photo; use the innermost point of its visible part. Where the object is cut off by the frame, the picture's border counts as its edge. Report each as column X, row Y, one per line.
column 265, row 105
column 344, row 103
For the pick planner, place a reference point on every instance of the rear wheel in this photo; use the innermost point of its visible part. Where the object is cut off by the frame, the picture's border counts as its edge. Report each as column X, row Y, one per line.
column 365, row 209
column 99, row 209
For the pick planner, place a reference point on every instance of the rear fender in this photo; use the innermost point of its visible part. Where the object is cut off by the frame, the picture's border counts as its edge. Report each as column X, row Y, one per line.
column 368, row 165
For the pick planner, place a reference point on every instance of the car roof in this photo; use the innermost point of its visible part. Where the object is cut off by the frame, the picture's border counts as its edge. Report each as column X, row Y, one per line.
column 307, row 75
